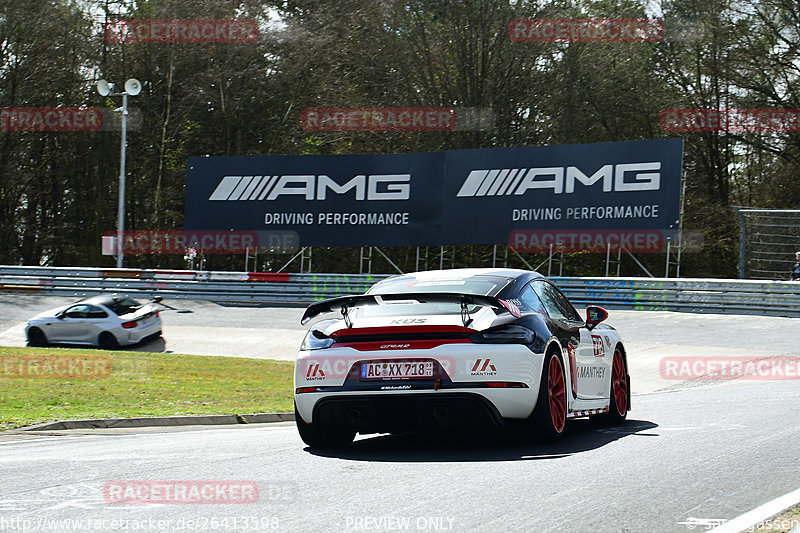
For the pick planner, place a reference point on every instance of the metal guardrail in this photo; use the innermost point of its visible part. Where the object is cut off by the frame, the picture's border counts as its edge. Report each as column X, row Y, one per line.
column 776, row 298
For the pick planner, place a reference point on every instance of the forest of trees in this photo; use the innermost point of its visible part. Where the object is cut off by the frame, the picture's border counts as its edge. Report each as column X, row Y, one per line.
column 58, row 190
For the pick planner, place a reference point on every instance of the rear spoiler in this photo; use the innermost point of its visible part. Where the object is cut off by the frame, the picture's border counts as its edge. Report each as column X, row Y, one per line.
column 344, row 303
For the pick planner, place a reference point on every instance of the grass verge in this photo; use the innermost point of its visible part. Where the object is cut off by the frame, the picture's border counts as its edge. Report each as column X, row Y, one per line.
column 782, row 523
column 43, row 384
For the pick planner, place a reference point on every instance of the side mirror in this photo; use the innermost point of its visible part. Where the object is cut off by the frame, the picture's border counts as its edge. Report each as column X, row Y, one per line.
column 595, row 315
column 157, row 299
column 60, row 315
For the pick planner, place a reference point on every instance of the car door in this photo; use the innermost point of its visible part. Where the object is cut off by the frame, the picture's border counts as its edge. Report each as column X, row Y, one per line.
column 70, row 326
column 589, row 361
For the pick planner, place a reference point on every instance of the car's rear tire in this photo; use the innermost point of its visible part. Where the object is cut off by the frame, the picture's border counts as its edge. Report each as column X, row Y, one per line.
column 327, row 437
column 36, row 337
column 618, row 405
column 549, row 418
column 107, row 341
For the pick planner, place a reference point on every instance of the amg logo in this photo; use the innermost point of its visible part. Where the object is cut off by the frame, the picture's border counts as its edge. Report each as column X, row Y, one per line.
column 312, row 187
column 505, row 182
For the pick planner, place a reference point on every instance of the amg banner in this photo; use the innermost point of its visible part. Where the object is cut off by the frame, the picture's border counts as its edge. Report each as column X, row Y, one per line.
column 579, row 197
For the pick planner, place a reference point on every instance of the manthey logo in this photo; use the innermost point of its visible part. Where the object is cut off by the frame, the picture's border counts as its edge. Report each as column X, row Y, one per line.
column 627, row 177
column 312, row 187
column 483, row 367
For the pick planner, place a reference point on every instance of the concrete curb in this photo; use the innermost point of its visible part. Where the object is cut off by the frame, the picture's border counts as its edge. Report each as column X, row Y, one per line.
column 138, row 422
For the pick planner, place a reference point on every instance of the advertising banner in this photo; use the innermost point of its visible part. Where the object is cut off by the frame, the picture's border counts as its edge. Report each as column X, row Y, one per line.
column 578, row 196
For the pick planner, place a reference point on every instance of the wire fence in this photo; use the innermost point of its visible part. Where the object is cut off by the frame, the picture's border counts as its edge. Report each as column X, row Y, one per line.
column 771, row 238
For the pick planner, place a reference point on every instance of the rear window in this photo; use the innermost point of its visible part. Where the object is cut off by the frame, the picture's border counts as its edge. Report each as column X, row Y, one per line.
column 124, row 306
column 482, row 286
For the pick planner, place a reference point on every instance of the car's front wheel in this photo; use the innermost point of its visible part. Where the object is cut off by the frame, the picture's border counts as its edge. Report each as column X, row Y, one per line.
column 327, row 437
column 107, row 341
column 36, row 337
column 618, row 408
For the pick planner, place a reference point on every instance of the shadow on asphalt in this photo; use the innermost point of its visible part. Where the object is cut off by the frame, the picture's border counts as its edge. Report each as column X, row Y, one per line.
column 582, row 436
column 154, row 345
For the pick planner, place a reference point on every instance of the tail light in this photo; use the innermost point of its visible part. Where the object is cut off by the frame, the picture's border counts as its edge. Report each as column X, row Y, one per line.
column 508, row 334
column 506, row 385
column 316, row 340
column 129, row 325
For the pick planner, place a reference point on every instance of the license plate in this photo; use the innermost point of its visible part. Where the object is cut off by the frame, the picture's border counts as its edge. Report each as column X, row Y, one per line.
column 397, row 370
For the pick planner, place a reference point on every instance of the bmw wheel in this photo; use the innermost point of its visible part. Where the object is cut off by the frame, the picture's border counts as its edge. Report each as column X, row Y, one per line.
column 36, row 337
column 107, row 341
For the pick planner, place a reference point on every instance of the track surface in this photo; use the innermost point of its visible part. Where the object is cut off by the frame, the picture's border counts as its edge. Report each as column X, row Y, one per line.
column 709, row 450
column 709, row 453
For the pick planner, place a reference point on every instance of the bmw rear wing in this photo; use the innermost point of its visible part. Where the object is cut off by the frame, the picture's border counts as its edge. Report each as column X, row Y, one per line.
column 344, row 303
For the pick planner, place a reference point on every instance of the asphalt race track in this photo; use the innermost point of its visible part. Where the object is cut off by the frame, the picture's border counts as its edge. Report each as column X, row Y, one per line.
column 690, row 450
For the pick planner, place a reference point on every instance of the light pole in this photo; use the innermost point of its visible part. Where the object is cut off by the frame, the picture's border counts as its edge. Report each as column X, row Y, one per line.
column 132, row 88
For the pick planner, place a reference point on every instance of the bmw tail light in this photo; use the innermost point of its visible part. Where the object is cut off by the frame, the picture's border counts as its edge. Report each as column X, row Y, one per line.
column 316, row 340
column 129, row 325
column 508, row 334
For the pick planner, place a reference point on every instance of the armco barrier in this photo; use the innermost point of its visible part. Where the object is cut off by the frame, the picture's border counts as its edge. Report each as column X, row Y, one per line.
column 777, row 298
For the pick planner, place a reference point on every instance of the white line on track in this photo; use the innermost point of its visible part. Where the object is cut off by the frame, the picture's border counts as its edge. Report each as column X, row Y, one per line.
column 759, row 514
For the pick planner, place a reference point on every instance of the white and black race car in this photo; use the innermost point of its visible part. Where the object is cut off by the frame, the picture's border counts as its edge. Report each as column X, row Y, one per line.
column 456, row 348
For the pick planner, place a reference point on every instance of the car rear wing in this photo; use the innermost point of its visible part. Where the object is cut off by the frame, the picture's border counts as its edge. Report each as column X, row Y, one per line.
column 344, row 303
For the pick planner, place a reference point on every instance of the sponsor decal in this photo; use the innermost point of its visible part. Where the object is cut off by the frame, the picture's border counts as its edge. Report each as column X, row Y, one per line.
column 395, row 387
column 627, row 177
column 591, row 372
column 312, row 187
column 394, row 346
column 597, row 346
column 404, row 321
column 51, row 119
column 483, row 367
column 730, row 120
column 726, row 368
column 55, row 367
column 591, row 30
column 512, row 308
column 180, row 492
column 541, row 241
column 315, row 372
column 378, row 119
column 180, row 31
column 608, row 341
